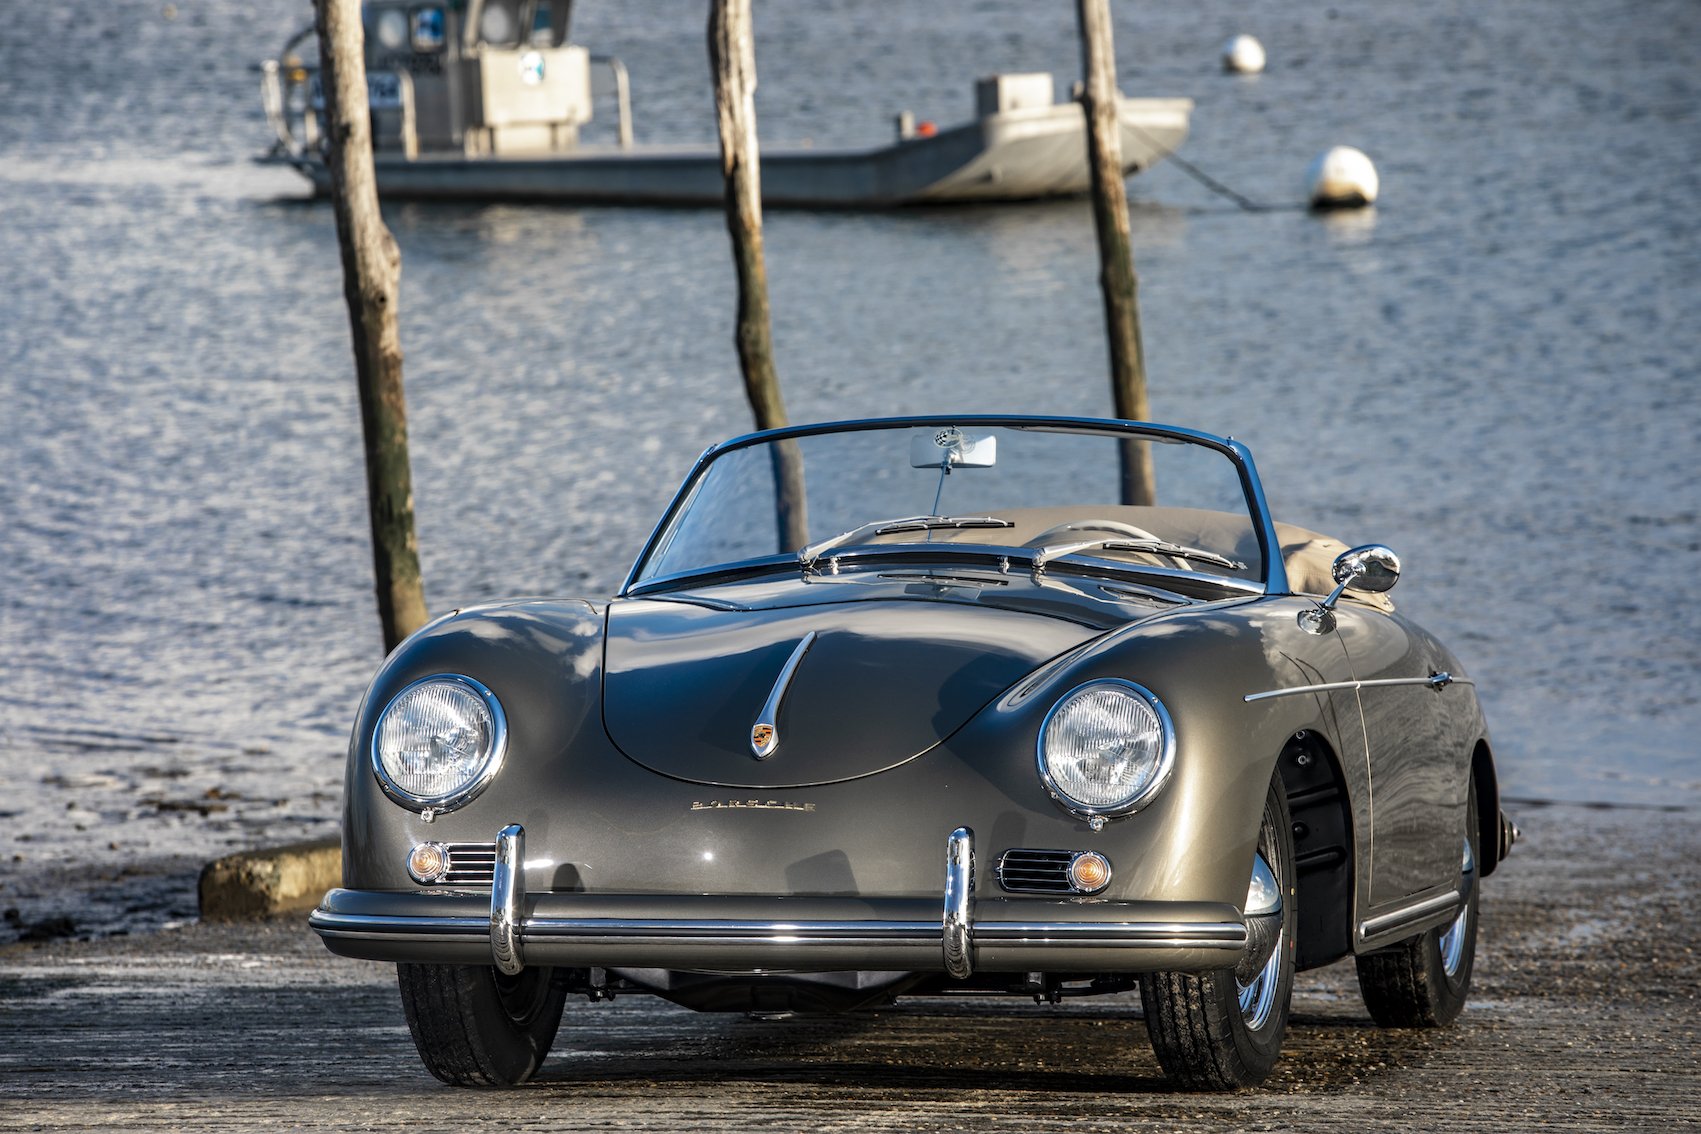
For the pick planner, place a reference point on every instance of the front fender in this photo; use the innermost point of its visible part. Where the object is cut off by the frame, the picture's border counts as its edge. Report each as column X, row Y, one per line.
column 542, row 659
column 1196, row 839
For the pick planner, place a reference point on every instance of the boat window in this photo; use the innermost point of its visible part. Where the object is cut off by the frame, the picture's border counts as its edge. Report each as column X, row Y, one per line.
column 428, row 29
column 499, row 23
column 549, row 23
column 392, row 29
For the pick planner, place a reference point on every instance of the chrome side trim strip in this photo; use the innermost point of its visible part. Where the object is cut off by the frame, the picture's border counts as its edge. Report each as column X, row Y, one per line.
column 958, row 927
column 765, row 733
column 507, row 900
column 1434, row 681
column 1382, row 923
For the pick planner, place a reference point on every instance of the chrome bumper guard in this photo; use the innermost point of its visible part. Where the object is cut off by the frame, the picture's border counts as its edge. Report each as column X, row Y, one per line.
column 744, row 933
column 508, row 900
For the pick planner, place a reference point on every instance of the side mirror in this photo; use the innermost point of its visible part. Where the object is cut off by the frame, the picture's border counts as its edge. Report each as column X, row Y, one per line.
column 1371, row 569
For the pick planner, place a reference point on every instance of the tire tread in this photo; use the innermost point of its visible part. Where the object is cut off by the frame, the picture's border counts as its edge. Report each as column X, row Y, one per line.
column 1394, row 989
column 1405, row 985
column 1180, row 1007
column 1194, row 1018
column 452, row 1012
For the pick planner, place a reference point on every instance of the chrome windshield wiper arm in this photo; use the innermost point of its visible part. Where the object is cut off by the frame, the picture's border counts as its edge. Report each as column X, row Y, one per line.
column 808, row 556
column 1156, row 546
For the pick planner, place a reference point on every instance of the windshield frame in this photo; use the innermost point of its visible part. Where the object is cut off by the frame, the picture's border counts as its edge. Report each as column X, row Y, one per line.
column 1274, row 573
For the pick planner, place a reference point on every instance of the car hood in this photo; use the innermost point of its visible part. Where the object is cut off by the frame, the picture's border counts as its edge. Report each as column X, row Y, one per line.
column 880, row 683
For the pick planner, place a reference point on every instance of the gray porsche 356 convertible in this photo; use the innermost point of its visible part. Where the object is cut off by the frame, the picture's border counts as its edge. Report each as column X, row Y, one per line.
column 1036, row 706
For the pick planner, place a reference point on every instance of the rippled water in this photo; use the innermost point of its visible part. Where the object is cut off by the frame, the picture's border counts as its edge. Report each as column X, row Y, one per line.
column 1495, row 372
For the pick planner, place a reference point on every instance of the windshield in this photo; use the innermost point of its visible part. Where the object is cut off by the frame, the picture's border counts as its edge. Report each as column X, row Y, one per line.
column 1050, row 497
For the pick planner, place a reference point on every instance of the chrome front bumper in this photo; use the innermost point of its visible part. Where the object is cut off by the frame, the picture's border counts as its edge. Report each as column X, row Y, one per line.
column 748, row 933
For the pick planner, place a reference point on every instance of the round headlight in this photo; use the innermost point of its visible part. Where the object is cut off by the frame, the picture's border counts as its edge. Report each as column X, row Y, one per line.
column 438, row 742
column 1106, row 748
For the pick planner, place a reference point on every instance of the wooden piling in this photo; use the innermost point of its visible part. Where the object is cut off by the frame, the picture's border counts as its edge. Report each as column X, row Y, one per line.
column 372, row 271
column 732, row 58
column 1117, row 278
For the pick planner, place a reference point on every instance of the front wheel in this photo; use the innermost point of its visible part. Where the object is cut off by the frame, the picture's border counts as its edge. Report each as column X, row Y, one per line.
column 1217, row 1031
column 1423, row 982
column 475, row 1027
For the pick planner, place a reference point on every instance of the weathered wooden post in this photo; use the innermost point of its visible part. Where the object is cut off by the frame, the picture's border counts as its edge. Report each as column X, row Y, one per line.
column 372, row 271
column 732, row 58
column 1117, row 279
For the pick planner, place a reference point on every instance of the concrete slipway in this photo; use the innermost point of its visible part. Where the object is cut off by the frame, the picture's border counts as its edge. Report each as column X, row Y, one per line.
column 1584, row 1018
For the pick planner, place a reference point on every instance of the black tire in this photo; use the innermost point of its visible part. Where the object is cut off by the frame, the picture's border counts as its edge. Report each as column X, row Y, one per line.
column 475, row 1027
column 1203, row 1038
column 1423, row 982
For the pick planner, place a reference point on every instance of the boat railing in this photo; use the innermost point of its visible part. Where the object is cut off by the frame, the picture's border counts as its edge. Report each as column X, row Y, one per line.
column 287, row 102
column 271, row 98
column 293, row 100
column 622, row 94
column 284, row 95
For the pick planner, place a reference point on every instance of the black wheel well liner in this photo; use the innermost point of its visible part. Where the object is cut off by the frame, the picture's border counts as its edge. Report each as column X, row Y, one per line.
column 1323, row 847
column 1488, row 808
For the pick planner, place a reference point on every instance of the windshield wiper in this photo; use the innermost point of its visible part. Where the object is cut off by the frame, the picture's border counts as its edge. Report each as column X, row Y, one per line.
column 1155, row 546
column 807, row 556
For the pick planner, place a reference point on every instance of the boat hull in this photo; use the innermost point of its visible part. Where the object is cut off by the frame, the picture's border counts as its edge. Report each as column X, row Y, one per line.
column 1017, row 155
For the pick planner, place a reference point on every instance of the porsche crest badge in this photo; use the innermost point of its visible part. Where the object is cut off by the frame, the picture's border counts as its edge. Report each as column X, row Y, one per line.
column 762, row 739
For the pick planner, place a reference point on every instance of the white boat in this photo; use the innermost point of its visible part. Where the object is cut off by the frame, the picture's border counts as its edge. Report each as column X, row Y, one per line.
column 485, row 100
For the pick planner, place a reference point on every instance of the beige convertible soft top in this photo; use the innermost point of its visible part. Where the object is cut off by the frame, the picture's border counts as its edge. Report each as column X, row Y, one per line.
column 1310, row 561
column 1308, row 555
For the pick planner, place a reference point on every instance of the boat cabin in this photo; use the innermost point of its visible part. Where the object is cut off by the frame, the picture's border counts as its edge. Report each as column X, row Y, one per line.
column 475, row 77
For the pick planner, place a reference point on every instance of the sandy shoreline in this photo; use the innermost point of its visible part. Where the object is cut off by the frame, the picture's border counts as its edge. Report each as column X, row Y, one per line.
column 1584, row 1016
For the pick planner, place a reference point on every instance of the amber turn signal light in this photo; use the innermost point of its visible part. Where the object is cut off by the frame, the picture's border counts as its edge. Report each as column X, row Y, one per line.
column 428, row 862
column 1089, row 872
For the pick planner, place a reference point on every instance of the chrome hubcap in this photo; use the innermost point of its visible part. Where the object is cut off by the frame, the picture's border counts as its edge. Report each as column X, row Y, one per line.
column 1453, row 943
column 1453, row 939
column 1264, row 894
column 1263, row 898
column 1259, row 998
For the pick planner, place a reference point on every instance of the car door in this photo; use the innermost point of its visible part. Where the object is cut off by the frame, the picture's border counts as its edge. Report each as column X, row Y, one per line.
column 1417, row 786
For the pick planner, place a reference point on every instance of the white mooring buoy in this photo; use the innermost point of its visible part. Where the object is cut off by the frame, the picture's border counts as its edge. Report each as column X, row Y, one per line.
column 1243, row 55
column 1342, row 178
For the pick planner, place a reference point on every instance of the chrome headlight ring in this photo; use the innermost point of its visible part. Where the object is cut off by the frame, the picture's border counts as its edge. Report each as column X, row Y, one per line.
column 1154, row 767
column 465, row 737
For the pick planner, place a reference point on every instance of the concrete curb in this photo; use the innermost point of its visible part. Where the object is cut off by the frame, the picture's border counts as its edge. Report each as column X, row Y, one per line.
column 265, row 883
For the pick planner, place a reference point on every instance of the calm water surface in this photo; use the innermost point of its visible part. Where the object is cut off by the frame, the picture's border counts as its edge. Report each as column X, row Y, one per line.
column 1495, row 372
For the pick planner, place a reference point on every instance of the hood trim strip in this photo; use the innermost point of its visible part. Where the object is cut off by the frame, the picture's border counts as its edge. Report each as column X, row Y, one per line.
column 765, row 733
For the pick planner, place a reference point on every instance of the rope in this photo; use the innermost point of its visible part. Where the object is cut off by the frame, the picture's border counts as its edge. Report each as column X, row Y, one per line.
column 1218, row 187
column 1203, row 178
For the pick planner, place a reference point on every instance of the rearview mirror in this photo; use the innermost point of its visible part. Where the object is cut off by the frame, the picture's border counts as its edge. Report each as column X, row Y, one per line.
column 948, row 447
